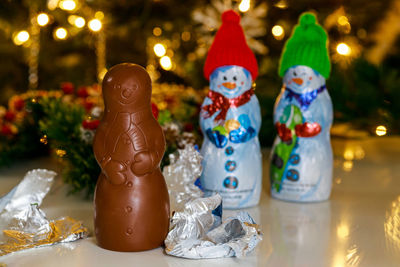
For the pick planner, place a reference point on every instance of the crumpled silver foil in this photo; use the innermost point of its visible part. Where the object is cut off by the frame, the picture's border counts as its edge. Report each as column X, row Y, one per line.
column 181, row 175
column 24, row 225
column 197, row 231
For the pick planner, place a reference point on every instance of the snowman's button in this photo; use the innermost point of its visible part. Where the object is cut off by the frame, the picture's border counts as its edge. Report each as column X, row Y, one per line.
column 229, row 151
column 294, row 159
column 129, row 231
column 293, row 175
column 231, row 182
column 230, row 165
column 128, row 209
column 129, row 184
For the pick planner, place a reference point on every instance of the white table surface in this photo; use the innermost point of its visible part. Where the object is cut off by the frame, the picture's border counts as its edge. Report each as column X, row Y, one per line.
column 358, row 226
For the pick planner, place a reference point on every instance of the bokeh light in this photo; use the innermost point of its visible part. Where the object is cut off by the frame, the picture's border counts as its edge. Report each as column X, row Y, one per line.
column 166, row 63
column 159, row 50
column 42, row 19
column 60, row 33
column 244, row 6
column 95, row 25
column 381, row 130
column 278, row 32
column 21, row 37
column 157, row 31
column 343, row 49
column 68, row 5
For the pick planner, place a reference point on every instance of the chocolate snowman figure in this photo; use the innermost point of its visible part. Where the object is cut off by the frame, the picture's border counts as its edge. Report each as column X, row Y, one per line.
column 131, row 198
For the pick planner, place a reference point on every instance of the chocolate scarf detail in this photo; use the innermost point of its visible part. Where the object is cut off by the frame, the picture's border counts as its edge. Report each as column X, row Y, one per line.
column 305, row 99
column 223, row 104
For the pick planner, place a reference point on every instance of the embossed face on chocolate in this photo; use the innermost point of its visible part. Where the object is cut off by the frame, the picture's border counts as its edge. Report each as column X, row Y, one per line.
column 126, row 87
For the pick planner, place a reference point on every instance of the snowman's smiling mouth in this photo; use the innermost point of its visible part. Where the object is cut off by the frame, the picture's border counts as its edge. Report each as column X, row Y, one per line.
column 229, row 85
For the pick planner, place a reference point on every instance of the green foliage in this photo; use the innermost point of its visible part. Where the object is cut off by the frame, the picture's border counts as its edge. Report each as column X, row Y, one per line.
column 369, row 97
column 26, row 144
column 61, row 123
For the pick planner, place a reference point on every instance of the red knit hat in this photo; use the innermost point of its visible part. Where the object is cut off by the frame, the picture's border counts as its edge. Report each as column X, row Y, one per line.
column 230, row 47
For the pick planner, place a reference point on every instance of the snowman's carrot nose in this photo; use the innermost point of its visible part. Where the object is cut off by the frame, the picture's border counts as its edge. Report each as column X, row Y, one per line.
column 299, row 81
column 229, row 85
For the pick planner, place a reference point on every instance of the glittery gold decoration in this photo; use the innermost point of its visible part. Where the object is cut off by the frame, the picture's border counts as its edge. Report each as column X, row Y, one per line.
column 231, row 125
column 62, row 230
column 43, row 140
column 61, row 153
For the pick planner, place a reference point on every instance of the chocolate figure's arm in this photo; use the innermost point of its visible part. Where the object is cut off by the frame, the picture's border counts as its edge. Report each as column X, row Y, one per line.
column 98, row 143
column 118, row 127
column 159, row 148
column 150, row 154
column 105, row 144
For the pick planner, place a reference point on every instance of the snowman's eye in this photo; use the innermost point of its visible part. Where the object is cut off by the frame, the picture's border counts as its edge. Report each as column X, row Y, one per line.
column 234, row 78
column 294, row 73
column 225, row 78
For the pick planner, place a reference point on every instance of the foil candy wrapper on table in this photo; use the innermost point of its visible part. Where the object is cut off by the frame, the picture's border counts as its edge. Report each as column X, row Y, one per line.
column 181, row 175
column 197, row 231
column 24, row 225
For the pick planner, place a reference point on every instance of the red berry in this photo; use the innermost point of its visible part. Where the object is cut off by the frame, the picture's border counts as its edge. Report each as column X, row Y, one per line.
column 82, row 92
column 67, row 88
column 154, row 110
column 90, row 125
column 6, row 130
column 88, row 105
column 19, row 104
column 9, row 116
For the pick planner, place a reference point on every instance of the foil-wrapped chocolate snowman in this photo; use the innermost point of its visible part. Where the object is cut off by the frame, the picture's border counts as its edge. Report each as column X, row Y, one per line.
column 230, row 119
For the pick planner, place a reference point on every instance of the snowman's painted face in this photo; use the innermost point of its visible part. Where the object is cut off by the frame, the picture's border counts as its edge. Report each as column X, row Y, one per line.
column 230, row 80
column 302, row 79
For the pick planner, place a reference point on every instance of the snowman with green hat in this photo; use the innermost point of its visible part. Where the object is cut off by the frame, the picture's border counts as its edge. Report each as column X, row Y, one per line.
column 301, row 158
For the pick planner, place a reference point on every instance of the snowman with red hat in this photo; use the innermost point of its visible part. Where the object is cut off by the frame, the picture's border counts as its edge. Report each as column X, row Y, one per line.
column 230, row 119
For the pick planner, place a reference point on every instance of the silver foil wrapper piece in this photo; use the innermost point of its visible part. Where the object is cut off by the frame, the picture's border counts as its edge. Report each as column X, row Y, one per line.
column 24, row 225
column 197, row 232
column 181, row 175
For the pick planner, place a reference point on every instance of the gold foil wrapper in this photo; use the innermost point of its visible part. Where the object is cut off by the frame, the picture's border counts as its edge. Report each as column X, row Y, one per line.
column 63, row 230
column 24, row 225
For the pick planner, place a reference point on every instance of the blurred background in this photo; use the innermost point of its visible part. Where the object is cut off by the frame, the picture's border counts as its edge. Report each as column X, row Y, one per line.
column 46, row 42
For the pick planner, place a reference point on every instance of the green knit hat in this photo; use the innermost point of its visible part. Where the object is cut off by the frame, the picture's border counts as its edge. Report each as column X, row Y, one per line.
column 307, row 46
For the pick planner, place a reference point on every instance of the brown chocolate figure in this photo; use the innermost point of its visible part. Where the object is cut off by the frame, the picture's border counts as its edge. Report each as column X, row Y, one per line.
column 131, row 198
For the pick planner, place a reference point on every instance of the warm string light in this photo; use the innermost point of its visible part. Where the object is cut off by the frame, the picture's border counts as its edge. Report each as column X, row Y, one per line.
column 380, row 130
column 278, row 32
column 44, row 140
column 159, row 49
column 282, row 4
column 60, row 33
column 343, row 49
column 68, row 5
column 52, row 4
column 157, row 31
column 166, row 63
column 61, row 153
column 76, row 21
column 21, row 37
column 99, row 15
column 95, row 25
column 42, row 19
column 244, row 6
column 185, row 36
column 343, row 20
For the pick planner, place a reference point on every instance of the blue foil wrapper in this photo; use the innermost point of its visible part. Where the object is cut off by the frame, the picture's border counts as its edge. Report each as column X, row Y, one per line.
column 301, row 157
column 230, row 120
